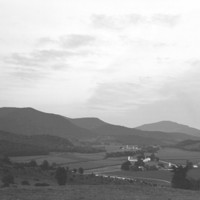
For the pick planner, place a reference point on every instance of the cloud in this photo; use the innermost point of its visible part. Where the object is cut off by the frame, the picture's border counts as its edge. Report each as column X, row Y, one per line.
column 37, row 57
column 53, row 51
column 28, row 75
column 43, row 41
column 124, row 95
column 76, row 40
column 124, row 21
column 170, row 20
column 36, row 65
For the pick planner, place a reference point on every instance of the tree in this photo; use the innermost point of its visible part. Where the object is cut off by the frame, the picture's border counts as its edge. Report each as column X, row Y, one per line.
column 45, row 165
column 80, row 170
column 189, row 164
column 179, row 179
column 74, row 170
column 5, row 159
column 152, row 157
column 61, row 175
column 126, row 165
column 32, row 163
column 7, row 179
column 139, row 162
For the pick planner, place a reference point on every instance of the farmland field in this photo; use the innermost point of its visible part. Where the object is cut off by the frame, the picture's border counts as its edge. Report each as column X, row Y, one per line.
column 178, row 156
column 74, row 160
column 97, row 160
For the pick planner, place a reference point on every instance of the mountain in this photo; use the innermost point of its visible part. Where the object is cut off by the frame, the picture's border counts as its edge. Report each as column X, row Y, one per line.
column 169, row 126
column 88, row 122
column 28, row 121
column 129, row 135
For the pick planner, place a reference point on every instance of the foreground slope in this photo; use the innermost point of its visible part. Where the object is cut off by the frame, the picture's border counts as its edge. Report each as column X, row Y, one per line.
column 169, row 126
column 97, row 192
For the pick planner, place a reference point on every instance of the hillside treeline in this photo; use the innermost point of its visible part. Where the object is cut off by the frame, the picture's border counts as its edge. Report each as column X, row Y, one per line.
column 20, row 145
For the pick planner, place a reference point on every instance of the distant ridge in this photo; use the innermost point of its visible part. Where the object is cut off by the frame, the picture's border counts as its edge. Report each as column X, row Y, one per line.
column 130, row 135
column 169, row 126
column 29, row 121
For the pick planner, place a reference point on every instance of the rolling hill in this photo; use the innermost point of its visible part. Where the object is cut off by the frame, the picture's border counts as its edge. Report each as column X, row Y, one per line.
column 169, row 126
column 28, row 121
column 21, row 145
column 191, row 145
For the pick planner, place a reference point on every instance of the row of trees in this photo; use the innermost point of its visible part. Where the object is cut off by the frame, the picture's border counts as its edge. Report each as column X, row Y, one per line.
column 123, row 153
column 62, row 174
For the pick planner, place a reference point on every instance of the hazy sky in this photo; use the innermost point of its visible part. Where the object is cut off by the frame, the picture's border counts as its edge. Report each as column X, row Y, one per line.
column 127, row 62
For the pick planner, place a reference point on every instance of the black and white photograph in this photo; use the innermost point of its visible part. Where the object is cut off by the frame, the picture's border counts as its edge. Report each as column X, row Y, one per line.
column 99, row 99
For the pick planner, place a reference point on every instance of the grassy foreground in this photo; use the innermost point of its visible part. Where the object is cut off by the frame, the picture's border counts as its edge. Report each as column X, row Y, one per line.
column 97, row 192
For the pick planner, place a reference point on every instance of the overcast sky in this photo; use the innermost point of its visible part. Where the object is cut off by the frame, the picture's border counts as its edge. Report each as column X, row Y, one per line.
column 127, row 62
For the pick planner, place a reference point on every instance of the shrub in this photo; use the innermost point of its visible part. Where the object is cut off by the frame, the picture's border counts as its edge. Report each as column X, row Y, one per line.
column 42, row 184
column 32, row 163
column 25, row 183
column 194, row 184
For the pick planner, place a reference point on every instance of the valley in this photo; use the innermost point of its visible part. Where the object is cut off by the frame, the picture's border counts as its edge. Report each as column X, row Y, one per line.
column 28, row 137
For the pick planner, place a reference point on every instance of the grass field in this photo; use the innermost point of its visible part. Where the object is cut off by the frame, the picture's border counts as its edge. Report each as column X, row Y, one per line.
column 61, row 158
column 178, row 156
column 97, row 192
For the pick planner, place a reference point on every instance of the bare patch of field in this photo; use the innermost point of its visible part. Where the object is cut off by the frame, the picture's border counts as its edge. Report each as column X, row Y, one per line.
column 164, row 175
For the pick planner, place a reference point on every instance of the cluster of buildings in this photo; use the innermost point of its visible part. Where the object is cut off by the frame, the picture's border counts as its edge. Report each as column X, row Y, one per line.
column 131, row 148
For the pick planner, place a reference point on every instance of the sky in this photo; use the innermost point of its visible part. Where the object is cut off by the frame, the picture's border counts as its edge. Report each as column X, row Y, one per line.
column 127, row 62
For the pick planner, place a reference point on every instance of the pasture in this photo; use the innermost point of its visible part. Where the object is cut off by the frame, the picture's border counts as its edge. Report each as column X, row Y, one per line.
column 74, row 160
column 178, row 156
